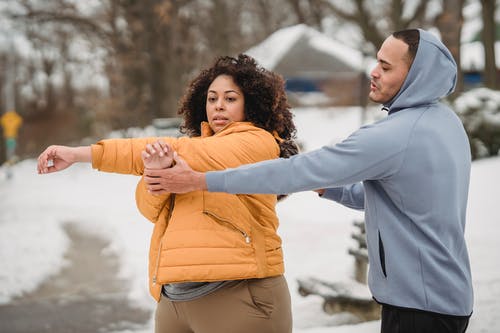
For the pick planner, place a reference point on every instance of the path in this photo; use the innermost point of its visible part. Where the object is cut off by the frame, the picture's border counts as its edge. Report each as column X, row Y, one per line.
column 86, row 296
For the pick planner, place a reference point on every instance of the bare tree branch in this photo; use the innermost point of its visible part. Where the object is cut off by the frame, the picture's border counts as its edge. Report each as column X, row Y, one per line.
column 297, row 9
column 396, row 14
column 488, row 39
column 418, row 14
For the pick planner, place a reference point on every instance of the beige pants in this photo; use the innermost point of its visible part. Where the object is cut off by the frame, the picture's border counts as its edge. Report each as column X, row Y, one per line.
column 247, row 306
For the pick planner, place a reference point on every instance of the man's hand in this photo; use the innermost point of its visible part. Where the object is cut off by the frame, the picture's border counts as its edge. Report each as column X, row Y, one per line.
column 320, row 191
column 178, row 179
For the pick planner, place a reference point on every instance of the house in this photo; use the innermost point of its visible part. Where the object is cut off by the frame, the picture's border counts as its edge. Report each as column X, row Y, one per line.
column 318, row 69
column 472, row 63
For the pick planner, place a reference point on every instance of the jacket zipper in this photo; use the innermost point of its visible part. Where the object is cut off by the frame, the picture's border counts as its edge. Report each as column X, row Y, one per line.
column 230, row 224
column 157, row 265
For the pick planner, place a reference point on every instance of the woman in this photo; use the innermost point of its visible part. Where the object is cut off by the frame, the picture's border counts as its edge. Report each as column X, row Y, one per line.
column 216, row 263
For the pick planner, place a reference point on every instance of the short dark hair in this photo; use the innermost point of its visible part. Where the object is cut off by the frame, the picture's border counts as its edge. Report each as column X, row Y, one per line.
column 411, row 37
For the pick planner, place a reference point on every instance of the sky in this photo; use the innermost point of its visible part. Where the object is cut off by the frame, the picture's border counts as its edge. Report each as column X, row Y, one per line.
column 315, row 232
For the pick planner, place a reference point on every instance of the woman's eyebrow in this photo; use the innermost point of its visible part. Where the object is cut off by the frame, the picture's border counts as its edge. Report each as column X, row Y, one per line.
column 227, row 91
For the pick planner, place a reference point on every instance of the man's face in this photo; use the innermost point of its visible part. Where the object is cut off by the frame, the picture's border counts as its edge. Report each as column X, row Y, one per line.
column 390, row 72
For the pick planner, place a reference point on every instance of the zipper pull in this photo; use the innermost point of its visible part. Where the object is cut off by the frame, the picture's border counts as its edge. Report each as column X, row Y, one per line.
column 247, row 239
column 154, row 280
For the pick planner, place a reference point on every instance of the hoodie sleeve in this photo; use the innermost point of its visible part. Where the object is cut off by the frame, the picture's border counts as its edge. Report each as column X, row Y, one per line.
column 352, row 196
column 373, row 152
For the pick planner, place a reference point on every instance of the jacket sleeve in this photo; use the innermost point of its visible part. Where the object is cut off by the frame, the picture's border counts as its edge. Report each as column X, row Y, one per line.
column 122, row 155
column 227, row 151
column 150, row 205
column 352, row 196
column 369, row 153
column 216, row 152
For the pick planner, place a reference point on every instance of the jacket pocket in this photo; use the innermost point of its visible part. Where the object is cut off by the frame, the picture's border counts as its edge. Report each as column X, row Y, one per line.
column 228, row 224
column 381, row 254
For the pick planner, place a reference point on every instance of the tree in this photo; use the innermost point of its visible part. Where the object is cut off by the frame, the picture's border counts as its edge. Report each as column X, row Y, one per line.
column 310, row 12
column 488, row 39
column 153, row 51
column 449, row 23
column 146, row 50
column 377, row 18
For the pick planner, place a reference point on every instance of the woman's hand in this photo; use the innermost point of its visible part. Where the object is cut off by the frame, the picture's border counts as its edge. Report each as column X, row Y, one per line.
column 57, row 158
column 177, row 179
column 158, row 155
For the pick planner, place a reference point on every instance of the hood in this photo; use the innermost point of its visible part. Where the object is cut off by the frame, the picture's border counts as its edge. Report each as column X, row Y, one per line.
column 432, row 75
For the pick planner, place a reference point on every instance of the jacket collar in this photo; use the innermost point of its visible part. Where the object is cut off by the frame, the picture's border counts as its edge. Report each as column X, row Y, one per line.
column 206, row 130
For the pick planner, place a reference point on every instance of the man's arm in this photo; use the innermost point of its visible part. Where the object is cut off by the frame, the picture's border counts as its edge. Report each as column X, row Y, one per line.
column 364, row 155
column 263, row 177
column 370, row 153
column 352, row 196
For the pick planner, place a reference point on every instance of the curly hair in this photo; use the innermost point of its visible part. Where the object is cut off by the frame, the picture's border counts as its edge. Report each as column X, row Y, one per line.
column 266, row 104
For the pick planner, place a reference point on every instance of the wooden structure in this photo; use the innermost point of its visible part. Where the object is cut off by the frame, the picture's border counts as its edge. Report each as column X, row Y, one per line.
column 360, row 253
column 352, row 297
column 348, row 296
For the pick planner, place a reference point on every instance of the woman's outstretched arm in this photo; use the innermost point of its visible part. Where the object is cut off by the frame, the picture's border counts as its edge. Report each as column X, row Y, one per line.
column 57, row 158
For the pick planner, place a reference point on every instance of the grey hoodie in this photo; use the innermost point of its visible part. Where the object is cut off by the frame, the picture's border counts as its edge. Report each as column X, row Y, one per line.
column 414, row 166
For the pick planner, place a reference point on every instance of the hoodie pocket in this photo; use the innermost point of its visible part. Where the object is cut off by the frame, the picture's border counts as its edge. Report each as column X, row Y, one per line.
column 381, row 254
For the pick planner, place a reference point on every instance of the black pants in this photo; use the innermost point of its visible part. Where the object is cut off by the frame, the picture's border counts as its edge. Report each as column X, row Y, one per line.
column 401, row 320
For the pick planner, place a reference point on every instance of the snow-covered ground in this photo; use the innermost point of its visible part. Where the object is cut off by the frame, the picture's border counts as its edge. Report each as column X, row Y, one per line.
column 315, row 232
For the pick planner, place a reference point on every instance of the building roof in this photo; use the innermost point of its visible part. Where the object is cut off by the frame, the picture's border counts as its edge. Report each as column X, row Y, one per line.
column 301, row 51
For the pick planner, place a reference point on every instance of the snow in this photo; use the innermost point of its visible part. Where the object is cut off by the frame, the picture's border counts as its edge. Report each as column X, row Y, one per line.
column 480, row 98
column 352, row 57
column 315, row 232
column 270, row 52
column 472, row 56
column 479, row 108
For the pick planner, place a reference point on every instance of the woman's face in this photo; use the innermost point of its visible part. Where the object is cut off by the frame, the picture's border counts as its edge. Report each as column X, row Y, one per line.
column 225, row 103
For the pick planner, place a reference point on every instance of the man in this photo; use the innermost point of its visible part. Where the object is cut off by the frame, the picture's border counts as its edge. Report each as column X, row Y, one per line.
column 408, row 171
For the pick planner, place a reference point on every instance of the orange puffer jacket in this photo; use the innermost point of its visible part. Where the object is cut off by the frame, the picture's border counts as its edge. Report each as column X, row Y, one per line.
column 203, row 236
